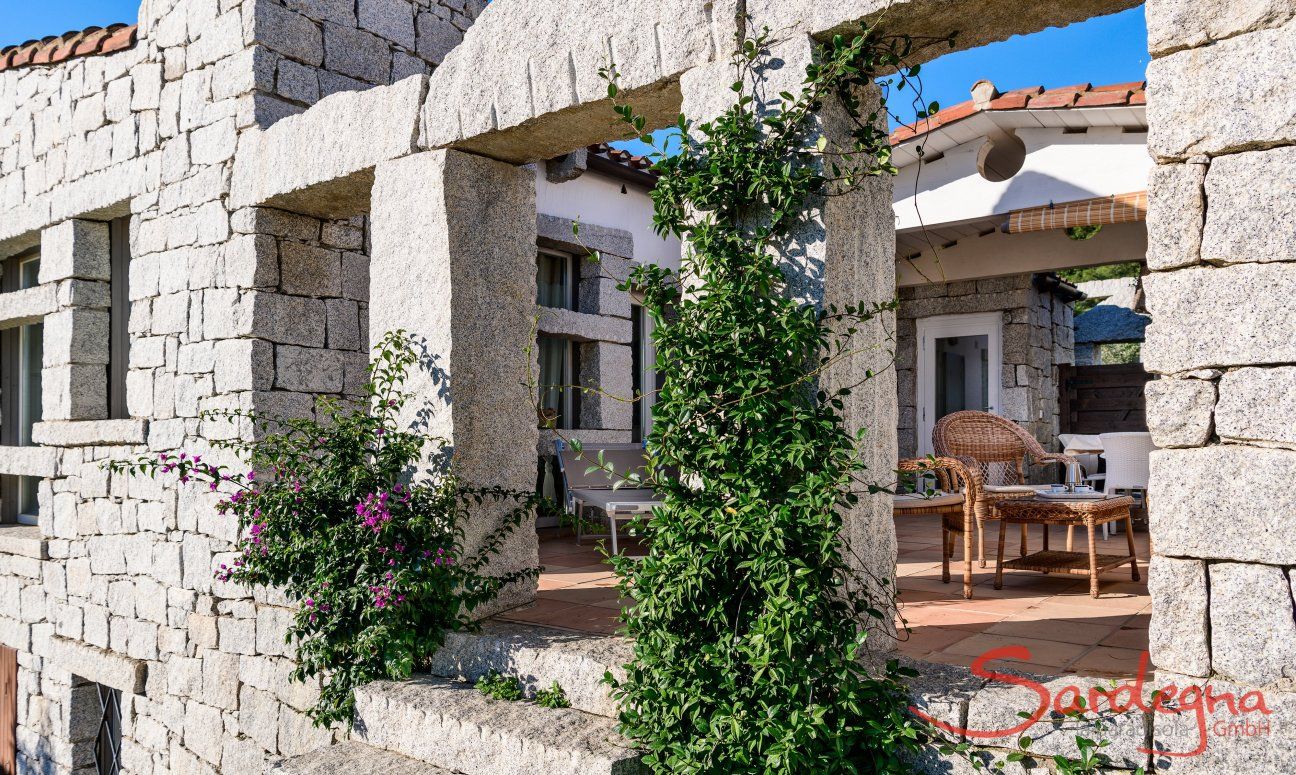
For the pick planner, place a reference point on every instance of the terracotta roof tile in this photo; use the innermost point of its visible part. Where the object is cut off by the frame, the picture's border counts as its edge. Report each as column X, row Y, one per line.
column 1031, row 98
column 624, row 158
column 69, row 45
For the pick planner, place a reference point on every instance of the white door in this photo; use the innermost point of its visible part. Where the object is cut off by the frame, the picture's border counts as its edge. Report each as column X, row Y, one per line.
column 959, row 365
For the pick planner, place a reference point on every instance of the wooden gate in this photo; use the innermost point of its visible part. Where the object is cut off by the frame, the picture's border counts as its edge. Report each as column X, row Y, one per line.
column 1102, row 399
column 8, row 711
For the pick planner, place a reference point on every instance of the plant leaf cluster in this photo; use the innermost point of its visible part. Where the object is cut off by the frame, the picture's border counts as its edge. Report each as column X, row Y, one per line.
column 750, row 626
column 341, row 514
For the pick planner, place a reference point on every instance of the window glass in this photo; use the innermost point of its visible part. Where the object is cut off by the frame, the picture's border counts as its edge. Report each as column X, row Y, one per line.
column 555, row 381
column 644, row 380
column 30, row 349
column 555, row 280
column 29, row 272
column 31, row 340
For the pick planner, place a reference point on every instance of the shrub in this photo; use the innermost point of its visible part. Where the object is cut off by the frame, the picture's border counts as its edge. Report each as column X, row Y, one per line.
column 339, row 513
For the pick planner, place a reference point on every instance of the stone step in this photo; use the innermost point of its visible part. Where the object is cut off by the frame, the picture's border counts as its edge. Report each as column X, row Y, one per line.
column 353, row 758
column 452, row 725
column 538, row 656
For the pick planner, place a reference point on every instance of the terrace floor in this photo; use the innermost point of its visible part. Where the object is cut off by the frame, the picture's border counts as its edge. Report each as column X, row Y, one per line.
column 1065, row 629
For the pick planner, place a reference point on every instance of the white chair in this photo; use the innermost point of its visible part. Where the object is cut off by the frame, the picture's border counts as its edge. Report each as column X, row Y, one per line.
column 1084, row 449
column 1126, row 455
column 590, row 486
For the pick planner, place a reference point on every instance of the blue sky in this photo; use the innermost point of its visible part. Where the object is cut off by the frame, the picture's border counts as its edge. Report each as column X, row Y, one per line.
column 23, row 20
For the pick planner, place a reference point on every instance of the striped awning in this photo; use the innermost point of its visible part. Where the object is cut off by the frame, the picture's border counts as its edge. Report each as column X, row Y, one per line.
column 1118, row 208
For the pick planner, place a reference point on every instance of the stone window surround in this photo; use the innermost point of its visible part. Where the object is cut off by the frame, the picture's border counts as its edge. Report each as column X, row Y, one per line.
column 73, row 299
column 600, row 324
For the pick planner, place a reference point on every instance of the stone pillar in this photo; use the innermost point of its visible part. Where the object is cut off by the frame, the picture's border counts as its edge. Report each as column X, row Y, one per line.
column 844, row 254
column 453, row 262
column 1219, row 290
column 74, row 378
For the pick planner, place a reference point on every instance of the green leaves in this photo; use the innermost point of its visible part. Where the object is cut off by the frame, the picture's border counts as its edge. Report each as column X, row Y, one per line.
column 326, row 512
column 749, row 622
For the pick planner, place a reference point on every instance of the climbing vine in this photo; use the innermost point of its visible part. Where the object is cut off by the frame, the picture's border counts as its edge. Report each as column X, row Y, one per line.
column 750, row 626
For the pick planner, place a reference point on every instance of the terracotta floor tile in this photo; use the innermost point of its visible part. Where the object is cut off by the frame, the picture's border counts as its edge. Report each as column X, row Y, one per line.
column 582, row 595
column 1108, row 661
column 567, row 577
column 1042, row 652
column 538, row 612
column 956, row 618
column 585, row 618
column 1053, row 615
column 1127, row 638
column 924, row 640
column 1084, row 632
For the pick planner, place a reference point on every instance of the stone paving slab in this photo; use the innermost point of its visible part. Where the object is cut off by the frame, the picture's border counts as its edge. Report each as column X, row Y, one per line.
column 451, row 724
column 353, row 758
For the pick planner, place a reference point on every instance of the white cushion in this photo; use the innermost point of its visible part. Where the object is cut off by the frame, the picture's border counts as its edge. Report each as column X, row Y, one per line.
column 914, row 501
column 993, row 488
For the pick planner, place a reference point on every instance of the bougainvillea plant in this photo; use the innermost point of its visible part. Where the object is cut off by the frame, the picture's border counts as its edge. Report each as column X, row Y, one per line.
column 750, row 626
column 344, row 515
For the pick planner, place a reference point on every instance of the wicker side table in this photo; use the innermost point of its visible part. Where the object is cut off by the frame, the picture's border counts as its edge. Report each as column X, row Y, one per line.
column 1090, row 514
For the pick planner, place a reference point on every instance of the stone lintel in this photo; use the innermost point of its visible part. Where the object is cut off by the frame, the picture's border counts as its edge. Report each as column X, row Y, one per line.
column 556, row 232
column 29, row 461
column 583, row 327
column 99, row 665
column 90, row 433
column 24, row 541
column 30, row 305
column 350, row 132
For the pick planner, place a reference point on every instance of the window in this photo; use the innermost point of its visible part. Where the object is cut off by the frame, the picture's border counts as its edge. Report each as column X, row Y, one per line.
column 119, row 321
column 557, row 275
column 645, row 380
column 107, row 750
column 559, row 398
column 21, row 354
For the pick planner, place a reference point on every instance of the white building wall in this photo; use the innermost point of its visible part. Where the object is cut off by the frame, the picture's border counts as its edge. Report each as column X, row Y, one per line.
column 601, row 201
column 1059, row 167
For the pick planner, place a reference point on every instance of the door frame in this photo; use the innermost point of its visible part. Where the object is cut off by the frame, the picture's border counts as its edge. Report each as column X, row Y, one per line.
column 988, row 324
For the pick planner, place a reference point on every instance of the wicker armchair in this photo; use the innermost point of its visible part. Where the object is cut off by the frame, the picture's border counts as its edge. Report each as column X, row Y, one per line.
column 998, row 449
column 960, row 487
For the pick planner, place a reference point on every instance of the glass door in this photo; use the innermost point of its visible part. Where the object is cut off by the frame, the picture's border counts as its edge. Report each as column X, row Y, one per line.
column 959, row 363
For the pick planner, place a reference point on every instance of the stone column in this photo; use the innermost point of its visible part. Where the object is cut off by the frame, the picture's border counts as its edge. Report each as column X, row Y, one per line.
column 74, row 380
column 1221, row 277
column 454, row 263
column 843, row 254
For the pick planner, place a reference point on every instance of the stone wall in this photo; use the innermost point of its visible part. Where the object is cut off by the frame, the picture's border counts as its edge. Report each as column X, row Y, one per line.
column 309, row 49
column 249, row 308
column 1222, row 129
column 1036, row 337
